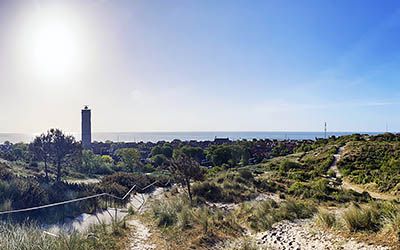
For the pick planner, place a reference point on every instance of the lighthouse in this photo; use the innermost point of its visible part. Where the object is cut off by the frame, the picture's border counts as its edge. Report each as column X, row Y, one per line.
column 86, row 128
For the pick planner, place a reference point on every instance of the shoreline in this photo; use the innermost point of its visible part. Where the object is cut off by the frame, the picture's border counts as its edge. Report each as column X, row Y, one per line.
column 199, row 136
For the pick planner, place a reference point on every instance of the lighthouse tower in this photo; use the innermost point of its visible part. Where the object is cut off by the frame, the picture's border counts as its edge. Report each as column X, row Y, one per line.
column 86, row 128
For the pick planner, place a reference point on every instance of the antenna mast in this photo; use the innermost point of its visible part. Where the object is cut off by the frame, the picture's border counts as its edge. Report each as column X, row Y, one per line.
column 325, row 130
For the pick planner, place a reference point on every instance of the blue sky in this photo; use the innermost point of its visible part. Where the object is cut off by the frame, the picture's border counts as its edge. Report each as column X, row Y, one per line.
column 205, row 65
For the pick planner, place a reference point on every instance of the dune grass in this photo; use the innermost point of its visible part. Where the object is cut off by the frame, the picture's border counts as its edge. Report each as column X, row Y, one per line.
column 32, row 237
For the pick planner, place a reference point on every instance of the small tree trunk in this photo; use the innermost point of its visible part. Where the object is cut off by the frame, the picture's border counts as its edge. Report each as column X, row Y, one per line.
column 189, row 190
column 58, row 171
column 46, row 170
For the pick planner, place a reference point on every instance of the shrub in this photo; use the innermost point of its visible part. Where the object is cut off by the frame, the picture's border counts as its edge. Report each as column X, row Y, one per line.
column 208, row 190
column 286, row 165
column 246, row 174
column 326, row 219
column 28, row 236
column 299, row 189
column 166, row 212
column 361, row 219
column 262, row 215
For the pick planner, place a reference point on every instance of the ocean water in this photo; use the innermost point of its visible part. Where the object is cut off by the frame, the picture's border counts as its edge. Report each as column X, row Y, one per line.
column 184, row 136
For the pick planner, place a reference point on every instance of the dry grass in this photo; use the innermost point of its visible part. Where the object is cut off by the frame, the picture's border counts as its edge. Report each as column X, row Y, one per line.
column 31, row 237
column 326, row 219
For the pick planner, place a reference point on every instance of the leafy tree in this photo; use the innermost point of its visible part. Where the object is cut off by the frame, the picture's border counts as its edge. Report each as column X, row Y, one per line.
column 156, row 150
column 196, row 153
column 185, row 169
column 107, row 159
column 129, row 156
column 167, row 150
column 15, row 152
column 21, row 151
column 225, row 154
column 62, row 146
column 96, row 164
column 90, row 160
column 158, row 160
column 41, row 150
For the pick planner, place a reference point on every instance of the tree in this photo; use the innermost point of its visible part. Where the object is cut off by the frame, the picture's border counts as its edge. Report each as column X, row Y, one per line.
column 96, row 164
column 41, row 150
column 90, row 160
column 156, row 150
column 225, row 154
column 62, row 146
column 129, row 156
column 158, row 160
column 196, row 153
column 167, row 150
column 185, row 169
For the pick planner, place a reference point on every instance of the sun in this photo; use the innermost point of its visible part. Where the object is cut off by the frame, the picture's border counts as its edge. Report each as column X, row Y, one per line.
column 53, row 46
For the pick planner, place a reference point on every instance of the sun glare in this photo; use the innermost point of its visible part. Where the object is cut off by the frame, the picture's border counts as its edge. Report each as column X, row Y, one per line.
column 52, row 45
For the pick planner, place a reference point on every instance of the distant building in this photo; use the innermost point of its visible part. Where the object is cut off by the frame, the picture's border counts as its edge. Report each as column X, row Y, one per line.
column 220, row 141
column 86, row 128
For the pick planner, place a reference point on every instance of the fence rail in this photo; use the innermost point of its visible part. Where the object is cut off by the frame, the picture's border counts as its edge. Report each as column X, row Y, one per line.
column 80, row 199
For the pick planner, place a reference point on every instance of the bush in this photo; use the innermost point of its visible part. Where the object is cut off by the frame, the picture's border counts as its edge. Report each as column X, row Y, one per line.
column 326, row 219
column 166, row 212
column 362, row 219
column 29, row 236
column 208, row 190
column 262, row 215
column 299, row 189
column 287, row 165
column 246, row 174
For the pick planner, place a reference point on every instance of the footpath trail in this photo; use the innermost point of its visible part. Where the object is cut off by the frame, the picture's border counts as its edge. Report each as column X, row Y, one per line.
column 303, row 234
column 346, row 184
column 139, row 238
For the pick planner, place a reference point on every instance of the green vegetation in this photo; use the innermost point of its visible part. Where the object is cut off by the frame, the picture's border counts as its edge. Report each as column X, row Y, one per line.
column 374, row 161
column 260, row 216
column 23, row 192
column 129, row 158
column 25, row 236
column 227, row 186
column 186, row 169
column 377, row 220
column 326, row 219
column 189, row 224
column 362, row 219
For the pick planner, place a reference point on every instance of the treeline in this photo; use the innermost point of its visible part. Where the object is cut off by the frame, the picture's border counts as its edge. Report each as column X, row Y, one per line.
column 54, row 152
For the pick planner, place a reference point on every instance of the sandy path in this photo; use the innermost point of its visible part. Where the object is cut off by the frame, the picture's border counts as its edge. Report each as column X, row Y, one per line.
column 139, row 239
column 140, row 236
column 359, row 189
column 298, row 235
column 302, row 234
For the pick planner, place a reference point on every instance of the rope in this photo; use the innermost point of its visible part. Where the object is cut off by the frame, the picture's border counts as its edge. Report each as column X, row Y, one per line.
column 67, row 202
column 78, row 199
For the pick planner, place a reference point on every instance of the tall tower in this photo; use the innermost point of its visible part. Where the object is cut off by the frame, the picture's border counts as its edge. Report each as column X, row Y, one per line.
column 86, row 128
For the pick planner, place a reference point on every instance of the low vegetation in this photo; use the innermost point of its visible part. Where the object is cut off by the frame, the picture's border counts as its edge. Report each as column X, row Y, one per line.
column 374, row 162
column 203, row 225
column 377, row 221
column 221, row 192
column 30, row 237
column 261, row 215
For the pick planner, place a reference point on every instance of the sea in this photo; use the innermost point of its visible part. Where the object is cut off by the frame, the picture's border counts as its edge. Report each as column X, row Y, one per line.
column 186, row 136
